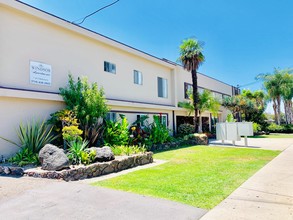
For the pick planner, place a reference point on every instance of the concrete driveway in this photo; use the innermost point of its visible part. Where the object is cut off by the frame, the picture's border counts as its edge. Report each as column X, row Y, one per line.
column 50, row 199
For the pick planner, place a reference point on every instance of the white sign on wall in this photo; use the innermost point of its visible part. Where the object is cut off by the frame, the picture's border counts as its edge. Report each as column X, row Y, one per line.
column 40, row 73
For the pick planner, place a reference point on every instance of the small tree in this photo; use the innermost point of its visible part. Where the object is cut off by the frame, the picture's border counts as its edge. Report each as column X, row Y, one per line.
column 250, row 106
column 206, row 102
column 89, row 104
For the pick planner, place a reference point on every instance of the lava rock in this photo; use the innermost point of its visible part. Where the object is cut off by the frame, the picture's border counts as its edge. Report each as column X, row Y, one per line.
column 6, row 170
column 53, row 158
column 103, row 154
column 16, row 171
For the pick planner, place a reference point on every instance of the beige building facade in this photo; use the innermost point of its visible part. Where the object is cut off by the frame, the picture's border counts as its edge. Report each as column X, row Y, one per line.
column 39, row 50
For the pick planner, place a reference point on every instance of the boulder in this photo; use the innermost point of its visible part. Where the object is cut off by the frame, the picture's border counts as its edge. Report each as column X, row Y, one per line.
column 103, row 154
column 53, row 158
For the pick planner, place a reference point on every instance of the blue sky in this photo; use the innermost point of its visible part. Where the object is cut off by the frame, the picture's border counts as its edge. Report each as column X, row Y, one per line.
column 242, row 38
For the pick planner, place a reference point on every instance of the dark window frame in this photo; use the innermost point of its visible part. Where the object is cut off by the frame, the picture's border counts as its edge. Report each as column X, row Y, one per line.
column 109, row 67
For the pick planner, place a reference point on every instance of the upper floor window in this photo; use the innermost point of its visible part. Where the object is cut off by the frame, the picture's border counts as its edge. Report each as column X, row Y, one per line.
column 109, row 67
column 137, row 75
column 218, row 96
column 162, row 87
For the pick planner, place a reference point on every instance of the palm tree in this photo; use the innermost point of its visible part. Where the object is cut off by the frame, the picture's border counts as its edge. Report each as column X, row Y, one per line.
column 275, row 85
column 191, row 57
column 206, row 102
column 287, row 94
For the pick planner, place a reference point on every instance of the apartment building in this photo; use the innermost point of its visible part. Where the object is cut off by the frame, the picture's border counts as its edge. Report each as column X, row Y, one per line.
column 39, row 50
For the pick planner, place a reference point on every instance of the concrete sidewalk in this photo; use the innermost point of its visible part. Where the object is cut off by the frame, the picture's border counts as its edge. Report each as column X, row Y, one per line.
column 267, row 195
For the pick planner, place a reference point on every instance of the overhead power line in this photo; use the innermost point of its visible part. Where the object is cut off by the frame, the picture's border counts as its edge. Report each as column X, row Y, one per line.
column 100, row 9
column 248, row 84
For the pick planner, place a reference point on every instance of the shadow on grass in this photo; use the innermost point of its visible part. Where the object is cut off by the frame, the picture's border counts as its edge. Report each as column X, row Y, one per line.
column 176, row 148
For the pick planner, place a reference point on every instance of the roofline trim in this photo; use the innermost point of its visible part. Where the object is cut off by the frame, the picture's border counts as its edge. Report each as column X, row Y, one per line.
column 120, row 45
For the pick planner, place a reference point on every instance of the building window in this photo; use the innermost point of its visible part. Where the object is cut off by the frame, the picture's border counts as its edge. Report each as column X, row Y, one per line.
column 164, row 120
column 225, row 96
column 142, row 120
column 162, row 87
column 109, row 67
column 187, row 90
column 200, row 90
column 137, row 75
column 218, row 96
column 111, row 116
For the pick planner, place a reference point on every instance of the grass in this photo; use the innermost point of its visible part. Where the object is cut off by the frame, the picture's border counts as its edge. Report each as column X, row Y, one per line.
column 273, row 136
column 199, row 176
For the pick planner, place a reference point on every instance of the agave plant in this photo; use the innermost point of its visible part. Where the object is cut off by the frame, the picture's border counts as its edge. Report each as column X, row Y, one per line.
column 33, row 136
column 77, row 152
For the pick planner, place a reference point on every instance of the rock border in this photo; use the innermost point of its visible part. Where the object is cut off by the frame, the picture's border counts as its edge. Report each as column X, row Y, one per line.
column 93, row 170
column 6, row 170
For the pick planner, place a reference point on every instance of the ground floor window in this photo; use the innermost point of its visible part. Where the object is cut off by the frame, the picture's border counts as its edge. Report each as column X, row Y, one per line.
column 111, row 116
column 164, row 120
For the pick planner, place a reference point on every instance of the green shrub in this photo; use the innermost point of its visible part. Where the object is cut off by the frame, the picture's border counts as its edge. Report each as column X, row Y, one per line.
column 71, row 134
column 116, row 132
column 127, row 150
column 159, row 133
column 274, row 128
column 62, row 121
column 288, row 128
column 24, row 157
column 256, row 127
column 230, row 118
column 185, row 129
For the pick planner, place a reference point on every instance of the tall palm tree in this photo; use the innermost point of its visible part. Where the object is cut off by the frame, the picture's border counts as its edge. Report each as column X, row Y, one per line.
column 287, row 94
column 191, row 57
column 275, row 84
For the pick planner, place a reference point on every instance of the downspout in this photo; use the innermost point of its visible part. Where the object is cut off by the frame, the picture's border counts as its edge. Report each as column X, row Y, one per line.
column 173, row 117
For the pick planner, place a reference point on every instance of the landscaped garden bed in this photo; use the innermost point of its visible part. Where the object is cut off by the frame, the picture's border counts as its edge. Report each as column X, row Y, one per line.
column 79, row 172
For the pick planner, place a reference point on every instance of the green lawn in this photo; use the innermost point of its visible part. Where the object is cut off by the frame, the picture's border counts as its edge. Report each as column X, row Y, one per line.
column 199, row 176
column 273, row 136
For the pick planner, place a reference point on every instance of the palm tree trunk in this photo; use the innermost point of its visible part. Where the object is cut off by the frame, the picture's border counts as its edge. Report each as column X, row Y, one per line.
column 279, row 109
column 288, row 111
column 275, row 111
column 195, row 98
column 199, row 123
